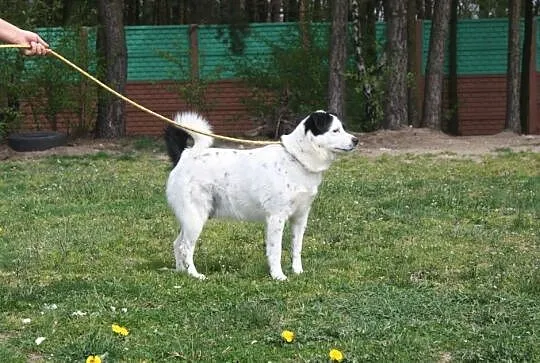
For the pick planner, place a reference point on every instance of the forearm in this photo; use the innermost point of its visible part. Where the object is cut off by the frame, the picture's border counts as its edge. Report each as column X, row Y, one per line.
column 9, row 33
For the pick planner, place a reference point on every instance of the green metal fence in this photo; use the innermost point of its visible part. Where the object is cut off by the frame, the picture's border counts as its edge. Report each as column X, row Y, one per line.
column 481, row 46
column 164, row 52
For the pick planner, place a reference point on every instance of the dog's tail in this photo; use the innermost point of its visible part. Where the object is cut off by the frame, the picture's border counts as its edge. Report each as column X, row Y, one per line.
column 176, row 139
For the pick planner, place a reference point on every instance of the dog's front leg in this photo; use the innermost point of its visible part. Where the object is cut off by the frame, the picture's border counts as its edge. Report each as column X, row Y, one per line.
column 274, row 235
column 298, row 227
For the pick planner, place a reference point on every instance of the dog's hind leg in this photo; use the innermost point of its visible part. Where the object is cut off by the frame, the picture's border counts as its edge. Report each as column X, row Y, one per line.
column 274, row 236
column 298, row 227
column 184, row 245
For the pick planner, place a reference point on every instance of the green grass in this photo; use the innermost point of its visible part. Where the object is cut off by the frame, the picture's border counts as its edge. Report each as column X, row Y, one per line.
column 409, row 258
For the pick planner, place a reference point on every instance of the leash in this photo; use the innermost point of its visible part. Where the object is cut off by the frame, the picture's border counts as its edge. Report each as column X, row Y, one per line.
column 138, row 106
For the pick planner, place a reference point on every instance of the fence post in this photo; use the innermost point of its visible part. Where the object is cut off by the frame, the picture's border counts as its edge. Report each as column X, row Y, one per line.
column 194, row 50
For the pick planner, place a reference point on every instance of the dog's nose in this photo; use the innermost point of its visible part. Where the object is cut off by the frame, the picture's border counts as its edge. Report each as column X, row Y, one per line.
column 355, row 141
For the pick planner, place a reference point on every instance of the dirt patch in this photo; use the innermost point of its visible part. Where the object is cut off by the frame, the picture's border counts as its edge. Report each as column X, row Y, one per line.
column 423, row 141
column 74, row 148
column 404, row 141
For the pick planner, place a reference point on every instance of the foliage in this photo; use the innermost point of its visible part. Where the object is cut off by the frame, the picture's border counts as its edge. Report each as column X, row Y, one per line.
column 57, row 90
column 238, row 28
column 483, row 8
column 49, row 13
column 191, row 89
column 440, row 264
column 293, row 82
column 290, row 84
column 10, row 118
column 45, row 83
column 10, row 73
column 366, row 108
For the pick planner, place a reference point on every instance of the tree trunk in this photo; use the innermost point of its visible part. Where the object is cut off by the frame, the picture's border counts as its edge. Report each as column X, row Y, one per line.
column 357, row 36
column 512, row 74
column 113, row 55
column 303, row 23
column 435, row 67
column 420, row 9
column 395, row 108
column 290, row 10
column 275, row 11
column 368, row 26
column 263, row 10
column 131, row 13
column 256, row 10
column 363, row 19
column 412, row 65
column 338, row 54
column 453, row 104
column 526, row 65
column 428, row 9
column 318, row 12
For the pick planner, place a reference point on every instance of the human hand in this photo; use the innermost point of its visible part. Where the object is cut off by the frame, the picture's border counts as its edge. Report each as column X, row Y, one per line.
column 37, row 45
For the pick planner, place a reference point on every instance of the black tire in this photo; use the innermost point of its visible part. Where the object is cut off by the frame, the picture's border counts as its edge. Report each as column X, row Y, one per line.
column 36, row 141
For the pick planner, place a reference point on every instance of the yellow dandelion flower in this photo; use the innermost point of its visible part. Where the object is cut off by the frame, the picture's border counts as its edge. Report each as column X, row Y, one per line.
column 335, row 355
column 120, row 330
column 287, row 335
column 93, row 359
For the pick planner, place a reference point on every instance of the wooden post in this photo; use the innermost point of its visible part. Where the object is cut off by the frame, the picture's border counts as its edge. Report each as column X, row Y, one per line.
column 194, row 50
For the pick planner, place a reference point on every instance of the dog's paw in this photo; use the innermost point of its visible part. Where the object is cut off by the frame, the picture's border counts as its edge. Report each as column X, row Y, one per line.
column 198, row 276
column 194, row 273
column 297, row 268
column 279, row 277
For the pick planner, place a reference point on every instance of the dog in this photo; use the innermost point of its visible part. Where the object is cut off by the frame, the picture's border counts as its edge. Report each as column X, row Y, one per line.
column 275, row 183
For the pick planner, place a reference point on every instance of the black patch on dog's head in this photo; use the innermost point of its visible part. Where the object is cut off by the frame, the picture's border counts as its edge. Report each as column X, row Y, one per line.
column 318, row 122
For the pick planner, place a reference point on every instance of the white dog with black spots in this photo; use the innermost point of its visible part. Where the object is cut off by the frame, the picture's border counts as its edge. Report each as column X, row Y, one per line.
column 274, row 184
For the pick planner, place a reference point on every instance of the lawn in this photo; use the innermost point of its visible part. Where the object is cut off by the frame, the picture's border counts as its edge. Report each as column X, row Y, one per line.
column 431, row 258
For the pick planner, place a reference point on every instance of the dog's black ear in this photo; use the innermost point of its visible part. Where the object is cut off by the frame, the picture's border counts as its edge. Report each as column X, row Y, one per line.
column 318, row 123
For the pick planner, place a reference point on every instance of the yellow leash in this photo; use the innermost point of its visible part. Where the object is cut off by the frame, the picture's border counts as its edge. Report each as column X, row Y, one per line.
column 135, row 104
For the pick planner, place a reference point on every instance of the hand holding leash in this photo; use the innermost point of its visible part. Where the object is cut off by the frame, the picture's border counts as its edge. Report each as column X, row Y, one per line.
column 34, row 45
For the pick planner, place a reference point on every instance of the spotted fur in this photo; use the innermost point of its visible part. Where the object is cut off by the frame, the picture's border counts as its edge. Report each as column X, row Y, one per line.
column 273, row 184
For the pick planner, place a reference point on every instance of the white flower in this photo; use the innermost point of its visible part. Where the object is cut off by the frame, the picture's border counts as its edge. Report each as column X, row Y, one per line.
column 39, row 340
column 51, row 306
column 78, row 313
column 124, row 310
column 26, row 321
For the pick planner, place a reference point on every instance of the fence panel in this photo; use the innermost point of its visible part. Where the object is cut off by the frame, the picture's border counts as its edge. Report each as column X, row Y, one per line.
column 481, row 46
column 158, row 53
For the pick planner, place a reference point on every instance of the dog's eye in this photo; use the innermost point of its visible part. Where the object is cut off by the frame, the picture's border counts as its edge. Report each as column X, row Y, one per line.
column 335, row 131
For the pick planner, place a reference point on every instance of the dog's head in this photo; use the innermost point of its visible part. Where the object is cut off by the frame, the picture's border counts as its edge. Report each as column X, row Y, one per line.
column 317, row 140
column 326, row 131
